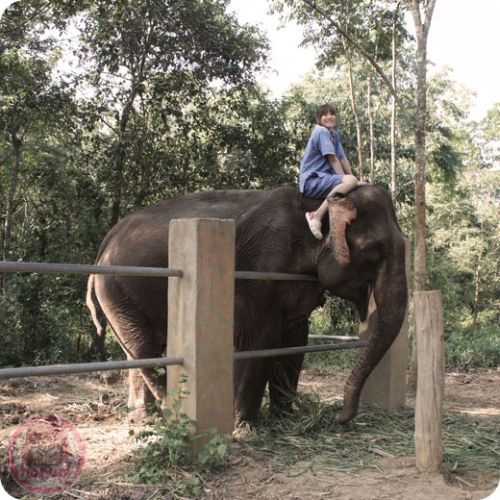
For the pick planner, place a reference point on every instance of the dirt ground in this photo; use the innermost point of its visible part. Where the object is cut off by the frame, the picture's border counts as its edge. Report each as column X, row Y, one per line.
column 95, row 405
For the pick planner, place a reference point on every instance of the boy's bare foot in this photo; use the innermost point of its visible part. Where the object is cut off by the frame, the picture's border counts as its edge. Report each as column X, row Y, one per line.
column 314, row 225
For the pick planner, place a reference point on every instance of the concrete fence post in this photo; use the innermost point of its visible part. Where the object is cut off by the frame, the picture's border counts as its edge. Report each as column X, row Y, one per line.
column 200, row 320
column 386, row 385
column 429, row 325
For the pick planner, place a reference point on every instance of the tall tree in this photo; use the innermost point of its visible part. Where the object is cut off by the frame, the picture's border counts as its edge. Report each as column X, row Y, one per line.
column 422, row 11
column 30, row 102
column 393, row 100
column 154, row 53
column 355, row 112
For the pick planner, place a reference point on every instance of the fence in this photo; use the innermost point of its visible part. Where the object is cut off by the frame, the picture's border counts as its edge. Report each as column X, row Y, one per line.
column 201, row 276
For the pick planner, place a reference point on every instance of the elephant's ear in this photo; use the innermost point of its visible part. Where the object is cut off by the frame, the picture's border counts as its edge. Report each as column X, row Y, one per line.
column 341, row 212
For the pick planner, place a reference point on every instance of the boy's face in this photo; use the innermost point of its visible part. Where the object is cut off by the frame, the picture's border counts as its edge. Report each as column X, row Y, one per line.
column 328, row 120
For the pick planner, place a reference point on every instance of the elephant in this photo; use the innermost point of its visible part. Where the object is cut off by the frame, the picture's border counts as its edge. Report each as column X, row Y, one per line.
column 361, row 253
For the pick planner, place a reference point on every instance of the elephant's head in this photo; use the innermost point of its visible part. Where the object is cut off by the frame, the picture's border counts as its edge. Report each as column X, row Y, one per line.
column 363, row 254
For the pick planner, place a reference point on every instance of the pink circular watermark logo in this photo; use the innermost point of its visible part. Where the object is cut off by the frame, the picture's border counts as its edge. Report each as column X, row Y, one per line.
column 46, row 455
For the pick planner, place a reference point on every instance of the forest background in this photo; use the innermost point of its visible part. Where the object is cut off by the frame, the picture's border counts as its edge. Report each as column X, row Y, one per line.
column 106, row 107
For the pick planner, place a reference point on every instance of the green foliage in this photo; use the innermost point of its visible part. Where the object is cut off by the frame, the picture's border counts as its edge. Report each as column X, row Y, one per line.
column 489, row 132
column 214, row 453
column 336, row 317
column 469, row 347
column 463, row 262
column 171, row 446
column 41, row 320
column 144, row 118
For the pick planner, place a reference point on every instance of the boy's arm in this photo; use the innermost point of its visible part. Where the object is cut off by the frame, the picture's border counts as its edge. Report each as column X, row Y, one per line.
column 335, row 164
column 346, row 166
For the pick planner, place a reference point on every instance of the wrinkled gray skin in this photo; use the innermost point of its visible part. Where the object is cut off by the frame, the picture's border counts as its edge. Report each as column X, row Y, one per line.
column 271, row 235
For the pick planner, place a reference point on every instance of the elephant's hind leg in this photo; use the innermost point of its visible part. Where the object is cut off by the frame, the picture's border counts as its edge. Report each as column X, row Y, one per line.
column 144, row 387
column 140, row 395
column 140, row 340
column 145, row 384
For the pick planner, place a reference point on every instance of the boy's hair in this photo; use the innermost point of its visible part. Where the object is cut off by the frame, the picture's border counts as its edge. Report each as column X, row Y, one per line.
column 323, row 110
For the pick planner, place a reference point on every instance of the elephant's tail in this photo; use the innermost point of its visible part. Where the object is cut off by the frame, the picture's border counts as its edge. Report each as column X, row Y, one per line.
column 98, row 316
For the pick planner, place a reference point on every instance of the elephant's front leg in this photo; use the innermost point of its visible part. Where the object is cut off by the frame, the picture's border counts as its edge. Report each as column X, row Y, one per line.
column 257, row 327
column 251, row 377
column 285, row 371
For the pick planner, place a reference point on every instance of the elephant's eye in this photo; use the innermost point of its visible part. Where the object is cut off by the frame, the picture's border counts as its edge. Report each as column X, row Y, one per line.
column 372, row 250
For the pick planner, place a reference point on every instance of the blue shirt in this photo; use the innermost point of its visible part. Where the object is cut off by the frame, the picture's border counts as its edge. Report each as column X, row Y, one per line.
column 322, row 143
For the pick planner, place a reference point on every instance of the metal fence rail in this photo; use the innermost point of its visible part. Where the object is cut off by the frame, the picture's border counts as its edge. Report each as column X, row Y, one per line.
column 49, row 268
column 38, row 267
column 39, row 371
column 53, row 268
column 288, row 351
column 332, row 337
column 254, row 275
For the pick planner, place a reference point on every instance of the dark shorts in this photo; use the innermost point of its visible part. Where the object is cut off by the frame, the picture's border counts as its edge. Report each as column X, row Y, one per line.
column 320, row 186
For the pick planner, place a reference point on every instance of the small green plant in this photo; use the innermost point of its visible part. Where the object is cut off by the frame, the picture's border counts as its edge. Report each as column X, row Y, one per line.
column 213, row 455
column 173, row 453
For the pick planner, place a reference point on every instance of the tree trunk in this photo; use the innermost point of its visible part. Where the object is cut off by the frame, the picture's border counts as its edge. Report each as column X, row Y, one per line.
column 370, row 119
column 137, row 78
column 420, row 262
column 477, row 292
column 17, row 146
column 370, row 123
column 355, row 113
column 420, row 138
column 393, row 107
column 119, row 167
column 117, row 186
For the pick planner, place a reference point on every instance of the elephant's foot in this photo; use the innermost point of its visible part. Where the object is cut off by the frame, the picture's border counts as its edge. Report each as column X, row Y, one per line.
column 345, row 417
column 243, row 431
column 246, row 413
column 141, row 399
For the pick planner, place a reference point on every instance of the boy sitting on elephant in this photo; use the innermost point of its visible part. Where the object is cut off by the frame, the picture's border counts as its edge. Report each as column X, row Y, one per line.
column 324, row 170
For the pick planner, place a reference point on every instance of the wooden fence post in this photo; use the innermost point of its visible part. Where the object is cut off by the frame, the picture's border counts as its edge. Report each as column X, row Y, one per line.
column 200, row 320
column 429, row 330
column 386, row 385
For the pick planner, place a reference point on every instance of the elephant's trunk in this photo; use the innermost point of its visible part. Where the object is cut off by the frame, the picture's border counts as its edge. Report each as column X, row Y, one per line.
column 391, row 298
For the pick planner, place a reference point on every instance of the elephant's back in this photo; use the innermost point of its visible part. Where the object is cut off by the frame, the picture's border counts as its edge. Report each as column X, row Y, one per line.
column 141, row 238
column 228, row 204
